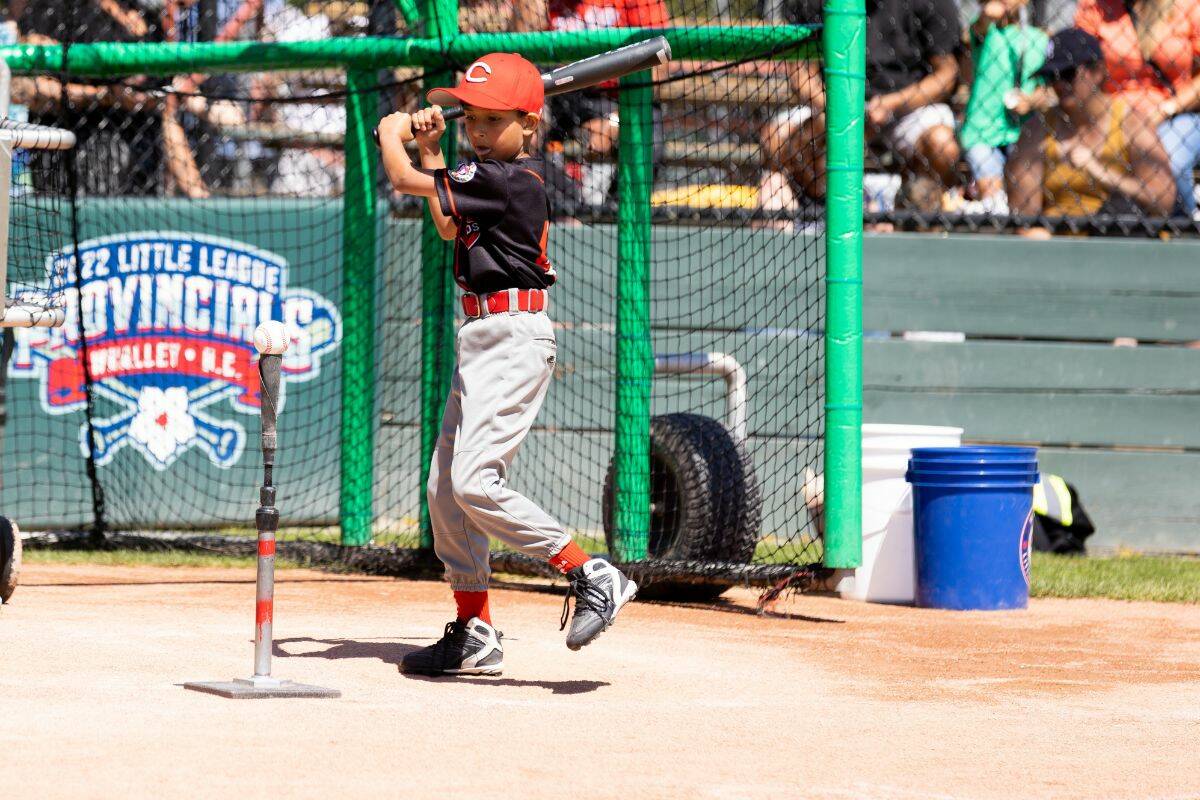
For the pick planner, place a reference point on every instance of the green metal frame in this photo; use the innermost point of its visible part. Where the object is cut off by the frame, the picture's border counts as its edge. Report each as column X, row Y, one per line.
column 437, row 285
column 635, row 351
column 359, row 271
column 843, row 50
column 108, row 59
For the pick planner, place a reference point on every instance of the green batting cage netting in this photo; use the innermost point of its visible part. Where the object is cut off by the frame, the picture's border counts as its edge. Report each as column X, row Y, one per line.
column 224, row 175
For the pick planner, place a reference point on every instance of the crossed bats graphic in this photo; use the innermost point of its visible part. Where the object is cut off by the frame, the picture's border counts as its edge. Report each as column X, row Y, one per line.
column 220, row 439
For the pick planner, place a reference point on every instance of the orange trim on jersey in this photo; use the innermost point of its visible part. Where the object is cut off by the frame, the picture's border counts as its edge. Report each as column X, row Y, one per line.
column 534, row 174
column 450, row 194
column 544, row 258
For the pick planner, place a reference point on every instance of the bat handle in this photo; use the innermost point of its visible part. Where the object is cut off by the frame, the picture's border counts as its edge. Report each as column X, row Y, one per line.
column 449, row 114
column 269, row 367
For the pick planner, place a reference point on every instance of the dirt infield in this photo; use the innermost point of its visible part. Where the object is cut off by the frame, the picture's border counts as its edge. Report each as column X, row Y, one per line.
column 1088, row 699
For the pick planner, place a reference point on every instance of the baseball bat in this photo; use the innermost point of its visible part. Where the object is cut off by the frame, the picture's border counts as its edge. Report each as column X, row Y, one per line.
column 593, row 70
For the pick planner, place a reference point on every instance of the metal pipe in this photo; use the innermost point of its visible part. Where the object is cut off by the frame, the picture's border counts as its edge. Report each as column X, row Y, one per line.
column 5, row 192
column 17, row 314
column 634, row 345
column 5, row 88
column 35, row 137
column 721, row 364
column 13, row 135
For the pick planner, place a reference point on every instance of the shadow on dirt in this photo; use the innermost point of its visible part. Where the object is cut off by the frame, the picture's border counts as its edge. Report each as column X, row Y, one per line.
column 556, row 687
column 390, row 651
column 386, row 650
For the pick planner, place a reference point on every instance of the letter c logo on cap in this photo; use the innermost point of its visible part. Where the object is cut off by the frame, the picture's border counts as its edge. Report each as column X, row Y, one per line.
column 472, row 77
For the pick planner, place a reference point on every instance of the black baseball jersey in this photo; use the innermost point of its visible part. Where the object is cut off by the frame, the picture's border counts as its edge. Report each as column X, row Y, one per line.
column 503, row 220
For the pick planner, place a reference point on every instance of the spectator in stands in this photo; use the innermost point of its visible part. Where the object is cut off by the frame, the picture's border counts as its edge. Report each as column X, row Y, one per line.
column 501, row 16
column 1152, row 50
column 1054, row 15
column 911, row 72
column 1089, row 154
column 1006, row 55
column 127, row 139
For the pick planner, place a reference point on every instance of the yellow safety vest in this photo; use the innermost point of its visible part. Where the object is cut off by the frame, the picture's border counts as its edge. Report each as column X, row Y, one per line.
column 1052, row 498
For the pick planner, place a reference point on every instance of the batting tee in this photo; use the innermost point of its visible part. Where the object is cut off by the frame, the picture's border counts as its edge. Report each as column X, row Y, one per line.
column 707, row 403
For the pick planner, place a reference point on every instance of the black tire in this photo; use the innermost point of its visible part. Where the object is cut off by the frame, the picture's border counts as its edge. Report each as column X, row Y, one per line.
column 10, row 558
column 705, row 504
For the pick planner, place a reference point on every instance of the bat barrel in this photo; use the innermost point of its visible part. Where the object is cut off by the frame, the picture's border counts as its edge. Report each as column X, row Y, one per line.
column 606, row 66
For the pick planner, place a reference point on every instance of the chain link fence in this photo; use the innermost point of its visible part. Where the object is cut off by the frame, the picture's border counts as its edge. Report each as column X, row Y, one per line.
column 174, row 172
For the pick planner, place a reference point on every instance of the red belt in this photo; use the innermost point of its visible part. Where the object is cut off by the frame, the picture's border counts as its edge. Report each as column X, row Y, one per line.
column 511, row 300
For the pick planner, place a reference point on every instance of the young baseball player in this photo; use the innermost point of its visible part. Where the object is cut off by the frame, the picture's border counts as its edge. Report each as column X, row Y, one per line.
column 495, row 209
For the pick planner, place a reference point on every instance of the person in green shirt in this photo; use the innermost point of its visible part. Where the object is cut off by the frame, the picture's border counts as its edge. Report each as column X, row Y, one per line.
column 1006, row 54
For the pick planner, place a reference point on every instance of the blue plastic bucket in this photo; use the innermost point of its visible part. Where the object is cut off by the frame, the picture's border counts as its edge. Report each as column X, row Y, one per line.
column 973, row 526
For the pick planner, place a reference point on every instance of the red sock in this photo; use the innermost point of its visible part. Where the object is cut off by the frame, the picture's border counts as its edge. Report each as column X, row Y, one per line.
column 569, row 558
column 473, row 604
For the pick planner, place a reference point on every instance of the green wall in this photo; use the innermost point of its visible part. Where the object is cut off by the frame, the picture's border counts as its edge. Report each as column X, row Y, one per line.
column 1039, row 365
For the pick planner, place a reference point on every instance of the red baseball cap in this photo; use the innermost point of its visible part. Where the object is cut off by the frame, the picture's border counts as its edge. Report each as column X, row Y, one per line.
column 499, row 81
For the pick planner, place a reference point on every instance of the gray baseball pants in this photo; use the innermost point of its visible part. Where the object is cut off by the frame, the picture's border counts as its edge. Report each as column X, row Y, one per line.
column 503, row 369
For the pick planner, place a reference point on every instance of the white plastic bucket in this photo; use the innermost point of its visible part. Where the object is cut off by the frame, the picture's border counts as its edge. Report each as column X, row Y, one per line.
column 887, row 574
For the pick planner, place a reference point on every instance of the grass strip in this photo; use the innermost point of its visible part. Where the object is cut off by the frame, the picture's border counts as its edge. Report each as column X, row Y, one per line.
column 1167, row 579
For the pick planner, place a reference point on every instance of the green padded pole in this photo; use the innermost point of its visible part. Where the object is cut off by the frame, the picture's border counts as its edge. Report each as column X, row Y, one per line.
column 359, row 245
column 635, row 352
column 845, row 80
column 437, row 284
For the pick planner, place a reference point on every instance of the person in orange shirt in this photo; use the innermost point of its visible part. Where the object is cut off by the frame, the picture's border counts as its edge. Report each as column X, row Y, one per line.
column 1152, row 51
column 593, row 112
